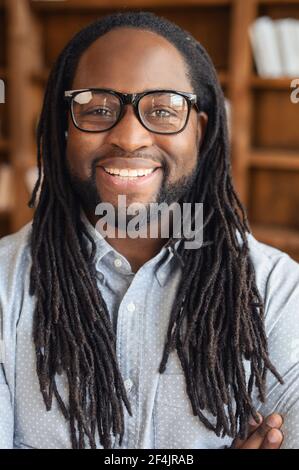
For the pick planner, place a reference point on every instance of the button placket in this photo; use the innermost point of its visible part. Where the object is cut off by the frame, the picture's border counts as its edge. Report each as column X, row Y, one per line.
column 118, row 263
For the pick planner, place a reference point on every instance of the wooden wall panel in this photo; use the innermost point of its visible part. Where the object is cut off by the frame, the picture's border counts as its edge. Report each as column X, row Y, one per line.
column 275, row 120
column 202, row 23
column 284, row 9
column 3, row 58
column 276, row 197
column 58, row 29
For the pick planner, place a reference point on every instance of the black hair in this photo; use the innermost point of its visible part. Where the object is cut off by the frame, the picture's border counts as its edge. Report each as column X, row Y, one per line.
column 217, row 320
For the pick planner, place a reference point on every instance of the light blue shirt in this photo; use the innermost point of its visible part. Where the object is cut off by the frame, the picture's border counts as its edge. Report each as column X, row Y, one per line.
column 139, row 305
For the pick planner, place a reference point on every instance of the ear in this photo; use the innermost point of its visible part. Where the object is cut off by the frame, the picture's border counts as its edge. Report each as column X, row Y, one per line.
column 202, row 125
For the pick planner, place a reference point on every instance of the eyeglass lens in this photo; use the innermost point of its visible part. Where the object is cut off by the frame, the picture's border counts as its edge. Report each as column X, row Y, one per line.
column 162, row 112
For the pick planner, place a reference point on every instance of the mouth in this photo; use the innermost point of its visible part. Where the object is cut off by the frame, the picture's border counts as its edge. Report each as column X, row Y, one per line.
column 128, row 181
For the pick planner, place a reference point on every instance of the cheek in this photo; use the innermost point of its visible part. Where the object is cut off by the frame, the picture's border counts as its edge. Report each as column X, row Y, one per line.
column 190, row 140
column 183, row 152
column 80, row 152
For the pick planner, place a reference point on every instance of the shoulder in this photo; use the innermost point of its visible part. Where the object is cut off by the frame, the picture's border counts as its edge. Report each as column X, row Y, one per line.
column 14, row 245
column 280, row 279
column 14, row 258
column 277, row 273
column 280, row 274
column 267, row 252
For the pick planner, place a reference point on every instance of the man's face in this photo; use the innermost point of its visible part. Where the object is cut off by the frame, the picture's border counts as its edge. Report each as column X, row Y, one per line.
column 132, row 60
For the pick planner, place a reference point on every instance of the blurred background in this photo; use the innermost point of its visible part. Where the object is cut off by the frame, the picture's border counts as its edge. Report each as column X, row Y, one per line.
column 254, row 45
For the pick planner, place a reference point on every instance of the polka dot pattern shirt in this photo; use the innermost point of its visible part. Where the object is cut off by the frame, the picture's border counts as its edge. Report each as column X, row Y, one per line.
column 139, row 304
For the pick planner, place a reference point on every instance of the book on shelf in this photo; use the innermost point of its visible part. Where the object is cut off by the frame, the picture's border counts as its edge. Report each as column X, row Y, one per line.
column 275, row 46
column 288, row 44
column 6, row 194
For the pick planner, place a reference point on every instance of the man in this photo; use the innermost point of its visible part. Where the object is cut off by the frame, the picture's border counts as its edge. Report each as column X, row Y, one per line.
column 142, row 343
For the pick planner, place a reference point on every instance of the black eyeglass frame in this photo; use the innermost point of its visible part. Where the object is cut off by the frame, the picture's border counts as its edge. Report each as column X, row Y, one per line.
column 134, row 99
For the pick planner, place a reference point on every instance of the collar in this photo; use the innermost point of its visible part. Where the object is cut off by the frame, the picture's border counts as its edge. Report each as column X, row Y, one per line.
column 162, row 258
column 103, row 247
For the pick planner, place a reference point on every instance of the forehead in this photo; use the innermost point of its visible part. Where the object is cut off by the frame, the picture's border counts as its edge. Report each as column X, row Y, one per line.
column 132, row 60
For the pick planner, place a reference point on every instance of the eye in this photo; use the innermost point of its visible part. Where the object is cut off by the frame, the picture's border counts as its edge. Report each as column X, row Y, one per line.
column 161, row 112
column 102, row 112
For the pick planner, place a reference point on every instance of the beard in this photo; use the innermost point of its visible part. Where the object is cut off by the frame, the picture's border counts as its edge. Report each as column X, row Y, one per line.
column 170, row 192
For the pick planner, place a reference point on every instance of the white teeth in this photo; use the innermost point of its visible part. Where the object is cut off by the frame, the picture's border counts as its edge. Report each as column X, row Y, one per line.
column 128, row 172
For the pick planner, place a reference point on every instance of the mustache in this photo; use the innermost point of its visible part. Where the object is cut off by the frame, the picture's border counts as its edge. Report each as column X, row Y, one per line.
column 120, row 153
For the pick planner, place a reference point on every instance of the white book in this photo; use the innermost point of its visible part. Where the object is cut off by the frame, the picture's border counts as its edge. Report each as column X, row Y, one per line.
column 6, row 194
column 286, row 30
column 264, row 43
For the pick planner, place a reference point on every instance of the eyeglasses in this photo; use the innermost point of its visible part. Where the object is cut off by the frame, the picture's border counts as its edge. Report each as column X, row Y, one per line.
column 159, row 111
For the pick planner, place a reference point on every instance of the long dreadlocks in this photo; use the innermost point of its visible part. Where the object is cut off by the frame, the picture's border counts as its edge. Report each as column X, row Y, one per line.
column 217, row 320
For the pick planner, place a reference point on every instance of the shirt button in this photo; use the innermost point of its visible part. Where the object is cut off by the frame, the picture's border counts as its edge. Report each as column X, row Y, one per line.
column 100, row 276
column 128, row 385
column 131, row 307
column 118, row 262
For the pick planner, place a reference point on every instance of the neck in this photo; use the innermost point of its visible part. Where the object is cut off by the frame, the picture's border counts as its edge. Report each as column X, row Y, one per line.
column 136, row 250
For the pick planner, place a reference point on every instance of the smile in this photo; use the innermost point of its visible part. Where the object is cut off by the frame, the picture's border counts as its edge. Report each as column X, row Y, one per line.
column 127, row 178
column 128, row 172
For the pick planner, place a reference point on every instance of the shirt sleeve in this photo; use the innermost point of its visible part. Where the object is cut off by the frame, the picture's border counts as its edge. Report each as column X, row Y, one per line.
column 6, row 408
column 282, row 328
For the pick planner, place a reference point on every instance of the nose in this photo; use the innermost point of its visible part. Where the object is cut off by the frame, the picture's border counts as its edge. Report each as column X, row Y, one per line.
column 129, row 133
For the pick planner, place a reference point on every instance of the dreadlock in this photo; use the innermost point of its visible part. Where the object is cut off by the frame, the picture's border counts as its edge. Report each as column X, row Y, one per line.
column 218, row 318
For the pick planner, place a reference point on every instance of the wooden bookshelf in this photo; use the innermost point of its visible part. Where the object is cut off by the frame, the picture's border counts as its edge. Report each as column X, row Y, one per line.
column 265, row 151
column 265, row 137
column 4, row 145
column 73, row 5
column 3, row 73
column 275, row 159
column 271, row 83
